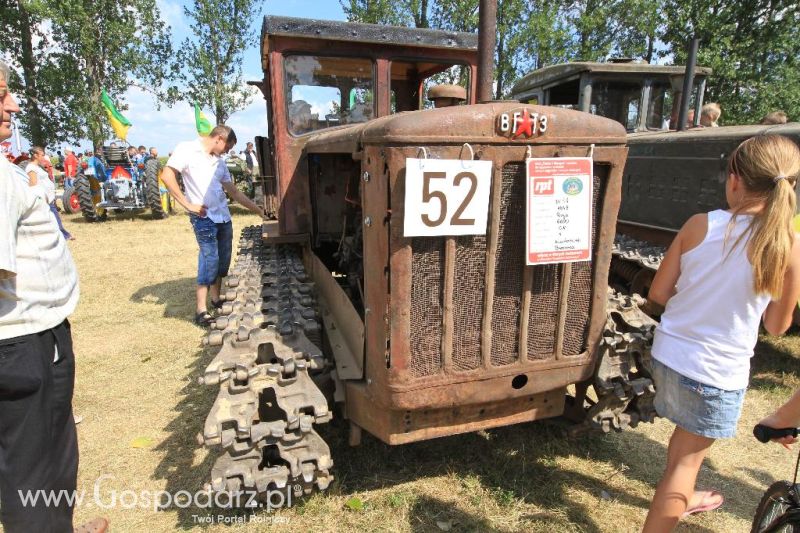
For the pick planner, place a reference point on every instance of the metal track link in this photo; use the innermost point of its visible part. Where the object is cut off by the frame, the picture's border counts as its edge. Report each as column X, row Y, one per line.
column 269, row 336
column 623, row 378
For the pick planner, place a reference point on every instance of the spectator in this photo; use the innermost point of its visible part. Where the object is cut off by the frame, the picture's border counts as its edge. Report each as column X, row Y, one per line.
column 775, row 118
column 709, row 115
column 250, row 159
column 153, row 152
column 46, row 189
column 38, row 291
column 60, row 163
column 70, row 168
column 206, row 179
column 97, row 165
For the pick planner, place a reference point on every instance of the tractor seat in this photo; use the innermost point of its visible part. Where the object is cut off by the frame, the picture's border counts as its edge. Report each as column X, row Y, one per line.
column 116, row 156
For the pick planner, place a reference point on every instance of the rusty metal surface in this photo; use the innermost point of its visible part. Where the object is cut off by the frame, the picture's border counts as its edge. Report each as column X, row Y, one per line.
column 487, row 38
column 477, row 124
column 266, row 370
column 623, row 378
column 343, row 325
column 291, row 165
column 670, row 176
column 374, row 34
column 474, row 379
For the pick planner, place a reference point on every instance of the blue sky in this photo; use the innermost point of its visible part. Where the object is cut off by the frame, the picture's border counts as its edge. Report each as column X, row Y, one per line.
column 166, row 127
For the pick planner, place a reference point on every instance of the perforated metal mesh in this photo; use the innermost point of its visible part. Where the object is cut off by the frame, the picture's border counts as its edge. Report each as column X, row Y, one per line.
column 576, row 326
column 509, row 265
column 427, row 279
column 469, row 290
column 543, row 313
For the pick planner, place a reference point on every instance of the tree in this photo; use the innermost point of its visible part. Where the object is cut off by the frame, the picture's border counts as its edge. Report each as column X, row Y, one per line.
column 210, row 63
column 412, row 13
column 36, row 59
column 69, row 51
column 753, row 47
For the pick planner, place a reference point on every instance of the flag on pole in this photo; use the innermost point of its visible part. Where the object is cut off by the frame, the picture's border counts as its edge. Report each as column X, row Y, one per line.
column 119, row 123
column 201, row 122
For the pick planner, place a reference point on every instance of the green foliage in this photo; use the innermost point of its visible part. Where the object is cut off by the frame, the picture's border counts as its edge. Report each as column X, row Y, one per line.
column 392, row 12
column 65, row 53
column 209, row 64
column 753, row 46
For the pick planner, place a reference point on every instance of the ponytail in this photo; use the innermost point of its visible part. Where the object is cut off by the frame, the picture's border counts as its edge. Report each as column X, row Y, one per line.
column 768, row 166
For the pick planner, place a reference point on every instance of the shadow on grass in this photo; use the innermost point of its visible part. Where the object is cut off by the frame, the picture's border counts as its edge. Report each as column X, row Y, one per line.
column 519, row 463
column 775, row 365
column 508, row 465
column 176, row 295
column 178, row 466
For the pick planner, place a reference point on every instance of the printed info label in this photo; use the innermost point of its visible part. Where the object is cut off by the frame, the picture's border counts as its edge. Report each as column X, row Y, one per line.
column 559, row 214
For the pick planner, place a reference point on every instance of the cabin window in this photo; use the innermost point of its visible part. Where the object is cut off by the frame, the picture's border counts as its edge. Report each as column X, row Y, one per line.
column 660, row 108
column 411, row 81
column 327, row 91
column 617, row 100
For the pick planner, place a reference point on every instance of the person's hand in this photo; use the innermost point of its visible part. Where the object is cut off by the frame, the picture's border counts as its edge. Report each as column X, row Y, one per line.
column 261, row 212
column 776, row 421
column 197, row 209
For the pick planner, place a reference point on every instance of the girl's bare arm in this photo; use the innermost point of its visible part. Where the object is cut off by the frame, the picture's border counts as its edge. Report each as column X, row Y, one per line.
column 778, row 316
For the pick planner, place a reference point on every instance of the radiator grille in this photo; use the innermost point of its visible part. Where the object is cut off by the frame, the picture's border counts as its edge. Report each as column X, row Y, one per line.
column 509, row 266
column 427, row 279
column 469, row 291
column 580, row 291
column 543, row 314
column 468, row 295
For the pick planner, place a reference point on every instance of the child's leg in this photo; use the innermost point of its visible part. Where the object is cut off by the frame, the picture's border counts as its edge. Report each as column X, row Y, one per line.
column 674, row 492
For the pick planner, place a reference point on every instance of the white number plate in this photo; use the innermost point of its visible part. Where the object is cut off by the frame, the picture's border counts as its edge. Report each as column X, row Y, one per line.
column 446, row 197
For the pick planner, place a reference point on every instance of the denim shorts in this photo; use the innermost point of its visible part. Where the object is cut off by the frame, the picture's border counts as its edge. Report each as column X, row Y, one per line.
column 696, row 407
column 215, row 241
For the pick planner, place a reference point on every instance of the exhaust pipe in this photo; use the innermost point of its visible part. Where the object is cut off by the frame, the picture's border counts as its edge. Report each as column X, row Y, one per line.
column 487, row 40
column 688, row 83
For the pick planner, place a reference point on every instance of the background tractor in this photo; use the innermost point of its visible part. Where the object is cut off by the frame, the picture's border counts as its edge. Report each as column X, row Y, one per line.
column 126, row 186
column 672, row 171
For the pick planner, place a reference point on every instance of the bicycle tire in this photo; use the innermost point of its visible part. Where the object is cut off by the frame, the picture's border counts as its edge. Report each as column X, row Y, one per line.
column 775, row 501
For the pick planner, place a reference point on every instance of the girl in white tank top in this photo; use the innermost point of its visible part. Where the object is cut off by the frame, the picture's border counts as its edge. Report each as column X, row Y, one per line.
column 723, row 273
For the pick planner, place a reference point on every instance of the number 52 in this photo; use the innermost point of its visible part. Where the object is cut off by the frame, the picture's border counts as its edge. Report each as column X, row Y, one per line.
column 428, row 196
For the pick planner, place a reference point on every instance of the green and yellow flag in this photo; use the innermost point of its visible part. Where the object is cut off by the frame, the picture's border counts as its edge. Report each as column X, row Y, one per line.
column 201, row 122
column 119, row 123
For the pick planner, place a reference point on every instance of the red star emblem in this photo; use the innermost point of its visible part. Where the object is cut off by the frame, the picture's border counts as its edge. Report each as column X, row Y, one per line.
column 525, row 125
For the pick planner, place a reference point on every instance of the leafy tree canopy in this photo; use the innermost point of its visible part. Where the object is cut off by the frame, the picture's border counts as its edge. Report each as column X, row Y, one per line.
column 209, row 64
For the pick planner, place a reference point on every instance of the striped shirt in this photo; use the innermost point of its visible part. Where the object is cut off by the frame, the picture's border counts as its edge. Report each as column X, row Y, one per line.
column 38, row 279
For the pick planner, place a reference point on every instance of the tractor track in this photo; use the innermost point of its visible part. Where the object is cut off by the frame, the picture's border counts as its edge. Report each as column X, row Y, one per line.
column 268, row 404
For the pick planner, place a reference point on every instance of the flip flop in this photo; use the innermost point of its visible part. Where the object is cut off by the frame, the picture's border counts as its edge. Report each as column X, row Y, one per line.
column 704, row 506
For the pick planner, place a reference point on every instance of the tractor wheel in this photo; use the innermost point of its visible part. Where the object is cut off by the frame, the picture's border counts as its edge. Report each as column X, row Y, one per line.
column 70, row 201
column 83, row 190
column 157, row 195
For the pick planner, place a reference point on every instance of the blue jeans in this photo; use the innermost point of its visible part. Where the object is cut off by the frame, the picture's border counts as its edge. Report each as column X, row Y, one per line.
column 215, row 241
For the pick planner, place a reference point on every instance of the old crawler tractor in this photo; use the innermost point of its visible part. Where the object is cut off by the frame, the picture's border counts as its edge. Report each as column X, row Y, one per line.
column 375, row 291
column 671, row 172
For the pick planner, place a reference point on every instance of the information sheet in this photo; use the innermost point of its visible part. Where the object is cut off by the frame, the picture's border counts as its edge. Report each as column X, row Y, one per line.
column 559, row 210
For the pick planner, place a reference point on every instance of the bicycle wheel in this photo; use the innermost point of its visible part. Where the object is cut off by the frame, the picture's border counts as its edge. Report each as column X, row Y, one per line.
column 780, row 497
